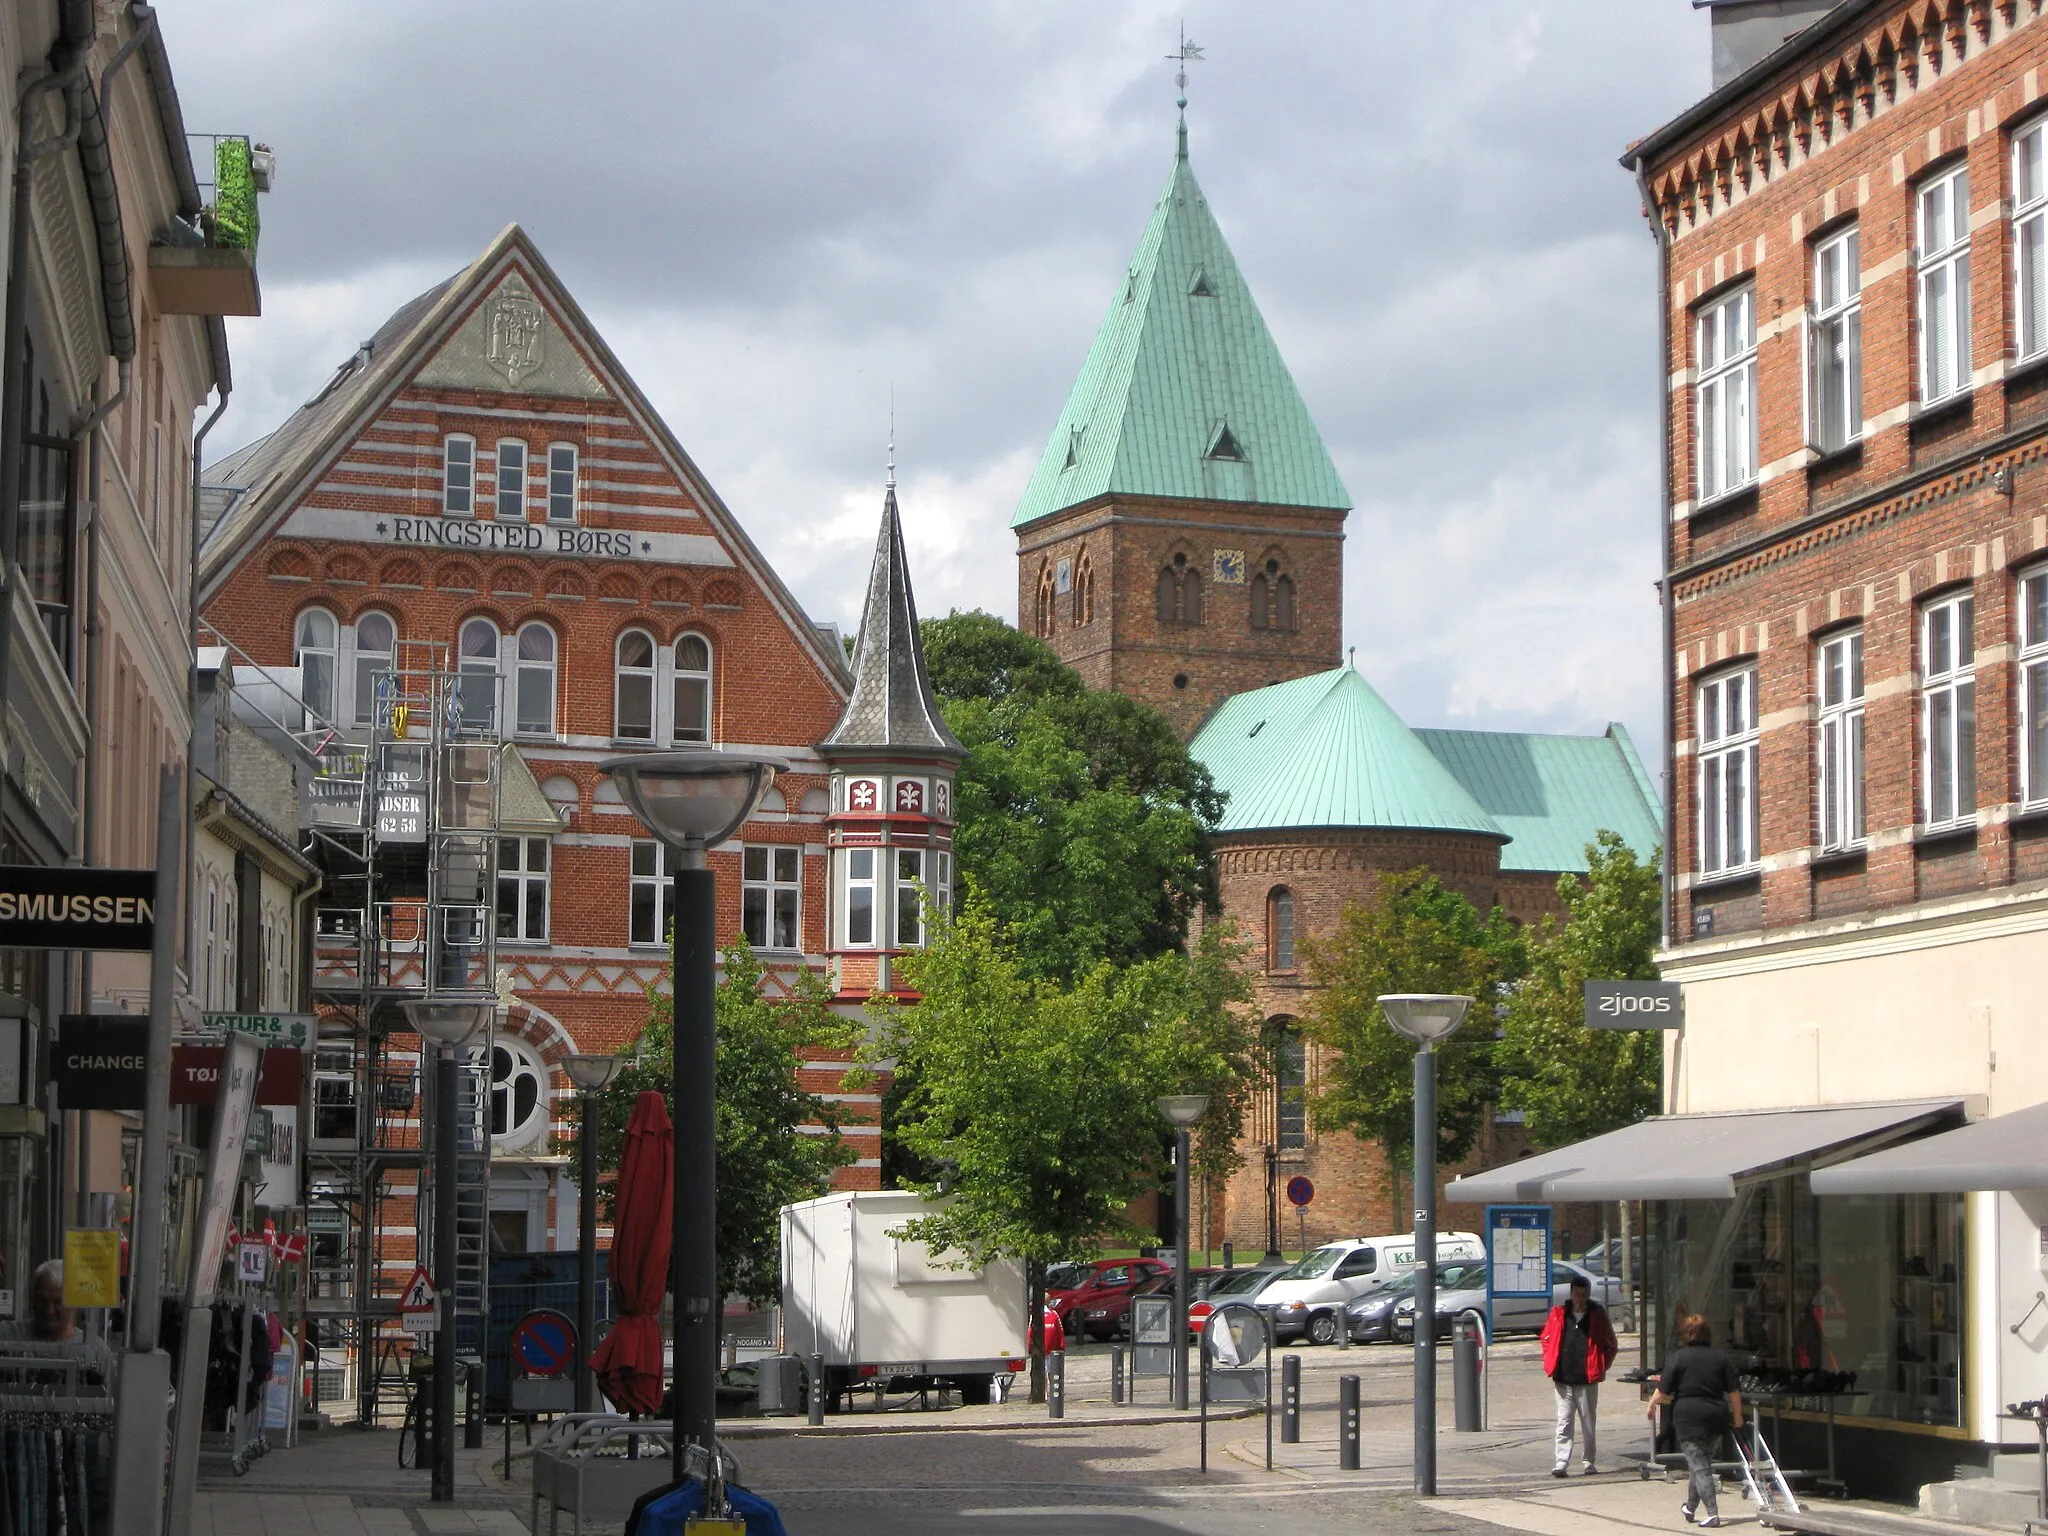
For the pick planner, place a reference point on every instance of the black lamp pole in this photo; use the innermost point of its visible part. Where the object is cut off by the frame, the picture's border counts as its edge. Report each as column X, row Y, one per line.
column 586, row 1258
column 695, row 1253
column 445, row 1153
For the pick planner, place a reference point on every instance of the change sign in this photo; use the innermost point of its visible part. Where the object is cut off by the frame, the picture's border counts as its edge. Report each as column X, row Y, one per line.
column 62, row 908
column 101, row 1062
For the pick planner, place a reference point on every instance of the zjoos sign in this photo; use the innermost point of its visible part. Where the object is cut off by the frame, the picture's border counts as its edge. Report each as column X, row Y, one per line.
column 1634, row 1005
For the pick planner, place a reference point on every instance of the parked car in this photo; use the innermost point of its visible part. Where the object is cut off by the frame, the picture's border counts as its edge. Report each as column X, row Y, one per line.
column 1112, row 1319
column 1370, row 1319
column 1229, row 1287
column 1310, row 1297
column 1452, row 1280
column 1098, row 1284
column 1605, row 1258
column 1511, row 1314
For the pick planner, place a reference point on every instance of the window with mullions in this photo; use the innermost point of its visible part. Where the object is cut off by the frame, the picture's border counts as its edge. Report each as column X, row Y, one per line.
column 692, row 720
column 910, row 898
column 771, row 897
column 1841, row 741
column 1290, row 1086
column 534, row 680
column 43, row 539
column 512, row 480
column 519, row 1094
column 1944, row 285
column 648, row 898
column 1280, row 929
column 376, row 649
column 523, row 890
column 314, row 645
column 860, row 896
column 562, row 482
column 476, row 689
column 1725, row 355
column 458, row 476
column 2034, row 687
column 1726, row 749
column 633, row 687
column 1948, row 711
column 1834, row 345
column 2030, row 238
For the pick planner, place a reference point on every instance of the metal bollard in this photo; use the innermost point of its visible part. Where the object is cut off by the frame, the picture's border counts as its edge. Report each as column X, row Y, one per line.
column 1465, row 1376
column 1056, row 1384
column 1229, row 1254
column 1290, row 1399
column 1116, row 1373
column 1347, row 1423
column 473, row 1410
column 816, row 1406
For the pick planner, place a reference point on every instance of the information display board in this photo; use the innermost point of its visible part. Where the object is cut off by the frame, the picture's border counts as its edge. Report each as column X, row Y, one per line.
column 1517, row 1253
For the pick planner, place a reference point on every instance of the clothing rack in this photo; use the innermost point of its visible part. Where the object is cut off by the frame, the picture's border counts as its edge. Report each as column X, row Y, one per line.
column 71, row 1380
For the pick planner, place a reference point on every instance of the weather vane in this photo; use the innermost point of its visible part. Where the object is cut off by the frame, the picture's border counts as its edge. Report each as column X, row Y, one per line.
column 892, row 435
column 1185, row 55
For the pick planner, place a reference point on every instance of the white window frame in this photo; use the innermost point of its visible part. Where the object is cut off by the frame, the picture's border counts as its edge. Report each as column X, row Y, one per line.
column 524, row 866
column 771, row 896
column 647, row 676
column 478, row 672
column 362, row 711
column 2030, row 240
column 458, row 475
column 906, row 878
column 696, row 734
column 1725, row 354
column 646, row 855
column 2033, row 667
column 1834, row 344
column 513, row 1062
column 1724, row 775
column 1839, row 688
column 860, row 880
column 563, row 464
column 1941, row 206
column 1948, row 711
column 514, row 495
column 535, row 673
column 941, row 886
column 320, row 695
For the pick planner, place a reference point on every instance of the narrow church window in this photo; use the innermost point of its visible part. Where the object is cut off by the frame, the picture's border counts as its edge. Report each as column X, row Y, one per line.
column 1046, row 599
column 1169, row 595
column 633, row 688
column 458, row 475
column 1261, row 595
column 1190, row 595
column 1280, row 929
column 1290, row 1085
column 693, row 689
column 1283, row 603
column 1084, row 590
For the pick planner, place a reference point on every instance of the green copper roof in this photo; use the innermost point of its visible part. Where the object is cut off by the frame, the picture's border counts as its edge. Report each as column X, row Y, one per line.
column 1184, row 393
column 1553, row 793
column 1328, row 751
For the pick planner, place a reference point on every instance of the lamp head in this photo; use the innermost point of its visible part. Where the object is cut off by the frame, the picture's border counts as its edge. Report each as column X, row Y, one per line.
column 695, row 797
column 451, row 1019
column 1184, row 1108
column 1425, row 1017
column 591, row 1071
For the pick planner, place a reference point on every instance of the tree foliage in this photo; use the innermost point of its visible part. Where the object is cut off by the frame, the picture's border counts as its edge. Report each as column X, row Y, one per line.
column 1569, row 1081
column 764, row 1161
column 1414, row 935
column 1080, row 817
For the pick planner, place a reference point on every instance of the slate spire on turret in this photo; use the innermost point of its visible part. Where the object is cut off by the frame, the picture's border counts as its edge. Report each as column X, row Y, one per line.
column 892, row 708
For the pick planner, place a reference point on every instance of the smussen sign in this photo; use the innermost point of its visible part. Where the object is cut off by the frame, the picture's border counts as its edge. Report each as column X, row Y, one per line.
column 56, row 908
column 1634, row 1005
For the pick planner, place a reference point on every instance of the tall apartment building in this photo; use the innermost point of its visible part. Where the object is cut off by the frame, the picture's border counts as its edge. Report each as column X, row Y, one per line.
column 1853, row 295
column 124, row 246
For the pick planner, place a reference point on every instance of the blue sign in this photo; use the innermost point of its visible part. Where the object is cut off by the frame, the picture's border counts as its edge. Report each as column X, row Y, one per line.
column 1300, row 1190
column 544, row 1343
column 1517, row 1253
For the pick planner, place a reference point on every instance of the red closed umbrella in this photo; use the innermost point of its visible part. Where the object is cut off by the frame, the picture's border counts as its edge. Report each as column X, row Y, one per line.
column 628, row 1362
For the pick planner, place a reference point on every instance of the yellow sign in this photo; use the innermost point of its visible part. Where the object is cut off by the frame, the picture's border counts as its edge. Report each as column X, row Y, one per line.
column 734, row 1526
column 92, row 1268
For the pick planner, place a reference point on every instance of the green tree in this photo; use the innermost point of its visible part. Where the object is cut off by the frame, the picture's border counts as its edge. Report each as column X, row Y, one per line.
column 1080, row 817
column 1569, row 1081
column 764, row 1160
column 1415, row 935
column 1028, row 1104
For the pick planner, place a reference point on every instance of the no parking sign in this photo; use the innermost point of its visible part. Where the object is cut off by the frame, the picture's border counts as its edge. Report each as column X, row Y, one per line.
column 544, row 1343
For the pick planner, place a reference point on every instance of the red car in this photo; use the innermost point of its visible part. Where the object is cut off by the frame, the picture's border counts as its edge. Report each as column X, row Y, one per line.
column 1104, row 1282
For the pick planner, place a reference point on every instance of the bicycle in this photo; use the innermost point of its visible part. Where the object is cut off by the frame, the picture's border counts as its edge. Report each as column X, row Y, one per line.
column 417, row 1426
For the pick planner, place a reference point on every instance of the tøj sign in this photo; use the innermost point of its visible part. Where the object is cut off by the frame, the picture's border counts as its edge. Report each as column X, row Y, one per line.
column 48, row 907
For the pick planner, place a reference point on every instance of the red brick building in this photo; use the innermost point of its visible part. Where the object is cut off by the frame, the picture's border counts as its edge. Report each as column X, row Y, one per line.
column 1181, row 541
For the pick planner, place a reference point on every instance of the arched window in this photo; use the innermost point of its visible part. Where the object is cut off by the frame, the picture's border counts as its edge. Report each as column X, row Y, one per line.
column 693, row 689
column 458, row 475
column 1180, row 592
column 519, row 1094
column 315, row 650
column 1280, row 929
column 633, row 687
column 1046, row 598
column 376, row 652
column 1289, row 1126
column 1262, row 596
column 1084, row 589
column 534, row 686
column 477, row 692
column 1169, row 595
column 1283, row 602
column 1190, row 594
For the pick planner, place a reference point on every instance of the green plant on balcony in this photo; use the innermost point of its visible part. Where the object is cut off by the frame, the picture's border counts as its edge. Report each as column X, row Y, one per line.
column 234, row 203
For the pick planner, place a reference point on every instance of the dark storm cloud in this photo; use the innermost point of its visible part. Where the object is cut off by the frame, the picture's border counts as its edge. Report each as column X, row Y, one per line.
column 777, row 214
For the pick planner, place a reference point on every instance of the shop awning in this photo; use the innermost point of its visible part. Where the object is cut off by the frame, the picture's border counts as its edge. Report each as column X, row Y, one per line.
column 1698, row 1157
column 2005, row 1152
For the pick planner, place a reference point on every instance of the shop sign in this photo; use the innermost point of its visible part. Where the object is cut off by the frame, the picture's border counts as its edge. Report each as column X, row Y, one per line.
column 252, row 1262
column 92, row 1268
column 1634, row 1005
column 195, row 1075
column 402, row 795
column 62, row 908
column 101, row 1062
column 236, row 1092
column 488, row 536
column 271, row 1028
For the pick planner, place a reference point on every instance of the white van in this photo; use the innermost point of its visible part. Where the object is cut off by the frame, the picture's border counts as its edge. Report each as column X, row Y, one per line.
column 1310, row 1297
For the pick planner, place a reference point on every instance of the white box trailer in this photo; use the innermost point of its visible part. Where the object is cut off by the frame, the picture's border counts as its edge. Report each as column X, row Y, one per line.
column 886, row 1309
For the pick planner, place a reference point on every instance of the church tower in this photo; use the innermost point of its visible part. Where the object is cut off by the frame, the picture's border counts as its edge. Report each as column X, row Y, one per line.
column 889, row 833
column 1182, row 537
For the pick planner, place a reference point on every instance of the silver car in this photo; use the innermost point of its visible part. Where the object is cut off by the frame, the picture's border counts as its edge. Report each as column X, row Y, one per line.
column 1514, row 1314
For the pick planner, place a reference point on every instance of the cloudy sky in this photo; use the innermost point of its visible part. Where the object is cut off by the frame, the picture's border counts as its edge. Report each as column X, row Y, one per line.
column 777, row 213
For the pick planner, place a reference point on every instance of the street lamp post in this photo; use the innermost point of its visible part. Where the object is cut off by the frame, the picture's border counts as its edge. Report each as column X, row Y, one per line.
column 1425, row 1018
column 1183, row 1111
column 692, row 800
column 448, row 1022
column 592, row 1075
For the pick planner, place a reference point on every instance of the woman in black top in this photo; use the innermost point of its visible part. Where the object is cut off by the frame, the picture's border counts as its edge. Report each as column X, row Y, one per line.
column 1700, row 1385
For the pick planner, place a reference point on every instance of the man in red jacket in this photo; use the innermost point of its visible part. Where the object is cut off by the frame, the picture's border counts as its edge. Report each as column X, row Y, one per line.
column 1578, row 1346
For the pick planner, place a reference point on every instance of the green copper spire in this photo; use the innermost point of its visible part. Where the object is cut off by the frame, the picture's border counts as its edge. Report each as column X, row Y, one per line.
column 1184, row 393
